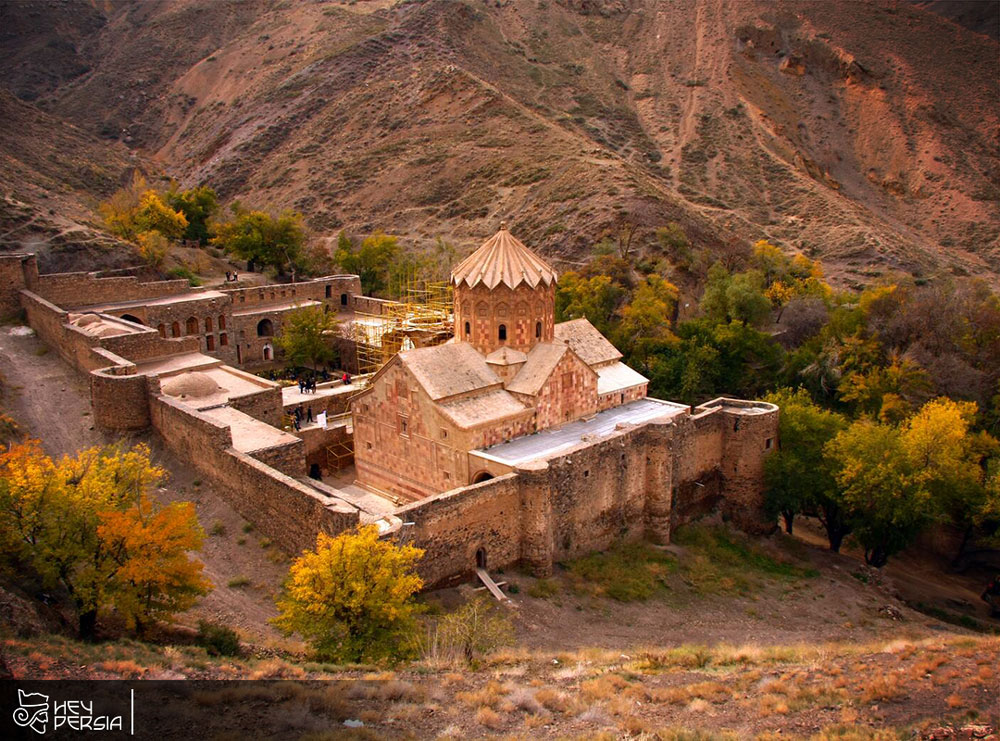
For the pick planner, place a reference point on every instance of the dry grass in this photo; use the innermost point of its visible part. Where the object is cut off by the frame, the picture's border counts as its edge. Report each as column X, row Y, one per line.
column 882, row 688
column 556, row 701
column 955, row 700
column 488, row 696
column 489, row 718
column 603, row 687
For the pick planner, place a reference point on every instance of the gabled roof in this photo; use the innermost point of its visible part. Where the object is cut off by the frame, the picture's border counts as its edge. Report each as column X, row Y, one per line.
column 542, row 360
column 506, row 356
column 503, row 259
column 617, row 377
column 592, row 347
column 488, row 408
column 449, row 370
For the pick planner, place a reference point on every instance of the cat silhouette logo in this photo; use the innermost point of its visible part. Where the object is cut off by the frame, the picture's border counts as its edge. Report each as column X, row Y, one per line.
column 34, row 711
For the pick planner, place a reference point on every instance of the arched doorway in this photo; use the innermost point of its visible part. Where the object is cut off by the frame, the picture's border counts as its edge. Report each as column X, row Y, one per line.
column 265, row 328
column 481, row 558
column 268, row 353
column 191, row 326
column 482, row 476
column 132, row 318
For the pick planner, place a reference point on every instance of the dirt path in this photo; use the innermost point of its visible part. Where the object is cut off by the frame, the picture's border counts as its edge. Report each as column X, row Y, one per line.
column 52, row 403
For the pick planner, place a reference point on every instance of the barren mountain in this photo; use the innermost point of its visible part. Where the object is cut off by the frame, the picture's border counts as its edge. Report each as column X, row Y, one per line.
column 866, row 134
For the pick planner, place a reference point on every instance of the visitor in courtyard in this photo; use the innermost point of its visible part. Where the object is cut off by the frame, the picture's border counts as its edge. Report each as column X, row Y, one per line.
column 309, row 415
column 346, row 379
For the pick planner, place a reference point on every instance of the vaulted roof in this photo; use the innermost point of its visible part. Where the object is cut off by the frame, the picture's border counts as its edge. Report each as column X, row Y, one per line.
column 592, row 347
column 503, row 259
column 448, row 370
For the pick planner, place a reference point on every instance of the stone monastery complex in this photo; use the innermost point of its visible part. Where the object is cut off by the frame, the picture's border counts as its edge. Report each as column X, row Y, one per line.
column 519, row 440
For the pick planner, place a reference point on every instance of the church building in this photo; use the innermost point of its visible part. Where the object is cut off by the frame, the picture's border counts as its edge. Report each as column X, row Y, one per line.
column 510, row 371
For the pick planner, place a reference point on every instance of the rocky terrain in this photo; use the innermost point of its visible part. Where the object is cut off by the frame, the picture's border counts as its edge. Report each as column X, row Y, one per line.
column 866, row 134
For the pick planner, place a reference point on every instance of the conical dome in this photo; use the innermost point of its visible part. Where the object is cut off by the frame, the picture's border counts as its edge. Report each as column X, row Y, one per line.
column 503, row 259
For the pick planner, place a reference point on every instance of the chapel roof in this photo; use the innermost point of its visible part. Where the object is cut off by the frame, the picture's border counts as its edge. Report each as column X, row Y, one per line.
column 448, row 370
column 542, row 360
column 592, row 347
column 503, row 259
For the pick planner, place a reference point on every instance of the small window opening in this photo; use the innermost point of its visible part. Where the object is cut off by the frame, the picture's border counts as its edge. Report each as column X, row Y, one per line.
column 503, row 332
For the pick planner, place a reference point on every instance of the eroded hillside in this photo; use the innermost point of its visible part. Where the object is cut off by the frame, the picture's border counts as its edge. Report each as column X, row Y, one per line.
column 866, row 134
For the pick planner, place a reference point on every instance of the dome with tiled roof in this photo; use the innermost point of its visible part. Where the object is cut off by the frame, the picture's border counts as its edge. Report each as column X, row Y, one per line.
column 503, row 259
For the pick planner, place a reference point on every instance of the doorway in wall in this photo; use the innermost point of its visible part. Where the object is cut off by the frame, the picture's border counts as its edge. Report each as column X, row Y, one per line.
column 481, row 558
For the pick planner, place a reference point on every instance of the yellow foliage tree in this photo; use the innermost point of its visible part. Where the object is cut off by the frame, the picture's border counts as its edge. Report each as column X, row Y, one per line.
column 136, row 210
column 352, row 597
column 84, row 524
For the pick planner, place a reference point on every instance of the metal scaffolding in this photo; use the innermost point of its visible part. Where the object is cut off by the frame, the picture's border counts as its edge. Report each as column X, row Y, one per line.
column 422, row 318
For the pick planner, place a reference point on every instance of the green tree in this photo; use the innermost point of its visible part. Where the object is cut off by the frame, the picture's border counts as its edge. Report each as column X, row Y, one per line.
column 735, row 297
column 886, row 499
column 595, row 299
column 262, row 239
column 198, row 206
column 352, row 597
column 375, row 261
column 307, row 336
column 476, row 628
column 798, row 476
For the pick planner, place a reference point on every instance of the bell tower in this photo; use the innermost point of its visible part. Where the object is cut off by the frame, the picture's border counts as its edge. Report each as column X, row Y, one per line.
column 505, row 296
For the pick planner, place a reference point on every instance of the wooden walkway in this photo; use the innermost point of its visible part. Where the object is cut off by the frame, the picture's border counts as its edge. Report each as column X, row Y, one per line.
column 491, row 585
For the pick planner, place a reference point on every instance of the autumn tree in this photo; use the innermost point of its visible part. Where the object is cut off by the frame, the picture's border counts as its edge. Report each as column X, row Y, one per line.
column 85, row 524
column 352, row 597
column 262, row 239
column 895, row 480
column 137, row 209
column 648, row 316
column 307, row 336
column 799, row 478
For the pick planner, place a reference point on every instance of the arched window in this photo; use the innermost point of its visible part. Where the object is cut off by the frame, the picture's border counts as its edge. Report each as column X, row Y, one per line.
column 222, row 321
column 468, row 329
column 208, row 324
column 162, row 329
column 265, row 328
column 503, row 332
column 223, row 339
column 192, row 326
column 131, row 318
column 175, row 329
column 538, row 329
column 210, row 342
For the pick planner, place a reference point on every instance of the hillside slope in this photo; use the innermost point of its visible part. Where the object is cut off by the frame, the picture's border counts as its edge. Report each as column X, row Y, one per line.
column 866, row 134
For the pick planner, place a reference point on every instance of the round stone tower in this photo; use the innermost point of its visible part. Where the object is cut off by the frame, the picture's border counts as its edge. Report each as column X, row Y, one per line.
column 505, row 296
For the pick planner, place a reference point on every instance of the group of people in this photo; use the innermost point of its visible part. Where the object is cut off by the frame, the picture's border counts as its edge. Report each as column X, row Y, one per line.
column 298, row 415
column 307, row 385
column 231, row 276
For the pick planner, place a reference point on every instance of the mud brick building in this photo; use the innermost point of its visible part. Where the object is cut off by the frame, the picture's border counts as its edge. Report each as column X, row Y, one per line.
column 517, row 441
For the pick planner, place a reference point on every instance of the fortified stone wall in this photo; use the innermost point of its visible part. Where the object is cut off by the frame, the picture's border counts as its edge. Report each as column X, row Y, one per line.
column 81, row 289
column 289, row 458
column 284, row 509
column 451, row 527
column 120, row 398
column 264, row 405
column 17, row 271
column 606, row 401
column 638, row 482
